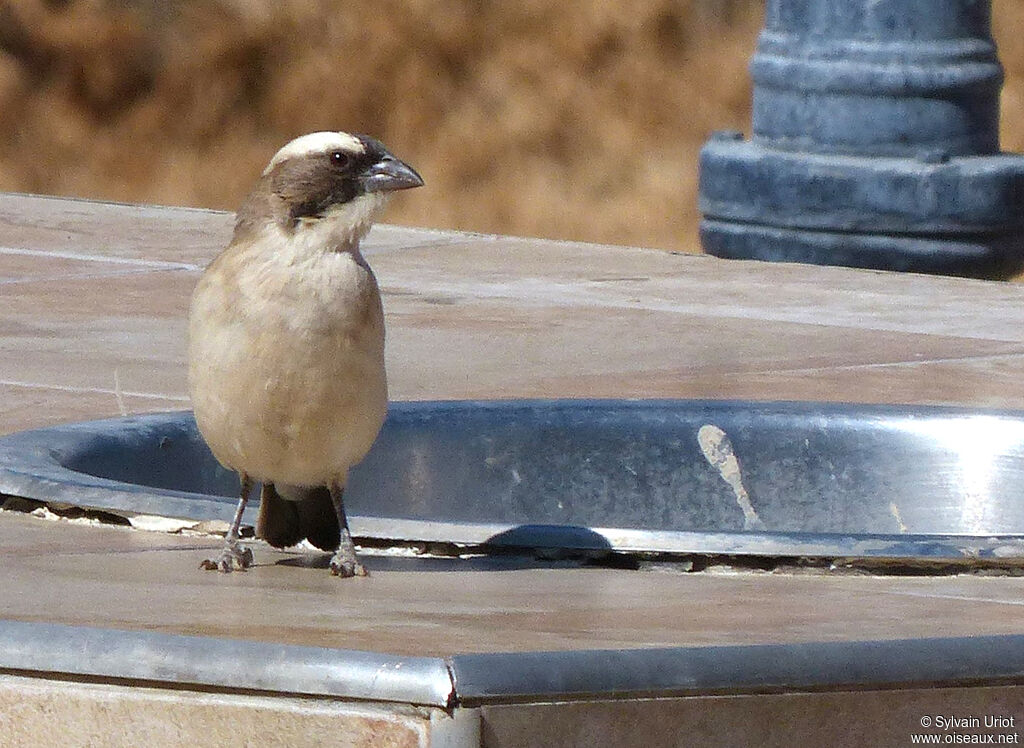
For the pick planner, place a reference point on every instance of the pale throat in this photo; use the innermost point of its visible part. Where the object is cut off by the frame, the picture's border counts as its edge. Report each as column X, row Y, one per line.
column 341, row 227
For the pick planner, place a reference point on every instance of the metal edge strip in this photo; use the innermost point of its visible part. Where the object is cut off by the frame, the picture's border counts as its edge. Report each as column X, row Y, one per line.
column 478, row 679
column 223, row 663
column 493, row 678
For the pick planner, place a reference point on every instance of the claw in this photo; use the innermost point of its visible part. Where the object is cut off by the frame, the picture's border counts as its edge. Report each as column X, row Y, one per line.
column 344, row 565
column 233, row 557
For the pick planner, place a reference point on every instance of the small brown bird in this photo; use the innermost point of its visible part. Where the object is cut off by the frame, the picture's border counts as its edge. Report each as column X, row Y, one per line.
column 286, row 342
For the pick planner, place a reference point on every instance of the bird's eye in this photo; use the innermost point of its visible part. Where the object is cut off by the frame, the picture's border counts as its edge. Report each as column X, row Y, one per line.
column 340, row 159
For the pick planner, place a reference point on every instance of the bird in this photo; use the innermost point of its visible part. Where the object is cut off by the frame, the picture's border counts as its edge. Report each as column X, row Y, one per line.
column 286, row 342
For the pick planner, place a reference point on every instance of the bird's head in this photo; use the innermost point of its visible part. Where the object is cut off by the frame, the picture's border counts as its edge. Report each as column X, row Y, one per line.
column 333, row 183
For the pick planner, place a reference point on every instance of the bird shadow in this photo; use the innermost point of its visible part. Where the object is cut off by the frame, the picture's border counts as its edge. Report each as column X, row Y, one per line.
column 374, row 563
column 518, row 548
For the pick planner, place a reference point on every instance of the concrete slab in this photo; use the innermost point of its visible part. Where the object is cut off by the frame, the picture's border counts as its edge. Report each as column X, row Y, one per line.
column 88, row 714
column 872, row 718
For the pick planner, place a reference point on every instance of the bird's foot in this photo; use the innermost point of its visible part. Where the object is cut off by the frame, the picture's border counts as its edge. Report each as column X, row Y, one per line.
column 233, row 557
column 345, row 564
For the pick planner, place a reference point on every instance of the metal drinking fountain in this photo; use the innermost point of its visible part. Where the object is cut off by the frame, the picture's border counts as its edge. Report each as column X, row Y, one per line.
column 875, row 143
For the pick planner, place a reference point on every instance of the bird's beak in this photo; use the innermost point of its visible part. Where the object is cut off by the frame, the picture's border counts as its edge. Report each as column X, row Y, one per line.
column 389, row 174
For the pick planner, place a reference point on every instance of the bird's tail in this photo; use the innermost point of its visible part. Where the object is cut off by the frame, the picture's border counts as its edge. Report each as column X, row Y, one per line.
column 294, row 514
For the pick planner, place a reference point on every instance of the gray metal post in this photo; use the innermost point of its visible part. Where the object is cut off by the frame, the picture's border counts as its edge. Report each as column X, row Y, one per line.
column 875, row 143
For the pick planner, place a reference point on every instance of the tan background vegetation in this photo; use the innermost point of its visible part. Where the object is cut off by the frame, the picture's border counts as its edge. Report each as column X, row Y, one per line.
column 570, row 120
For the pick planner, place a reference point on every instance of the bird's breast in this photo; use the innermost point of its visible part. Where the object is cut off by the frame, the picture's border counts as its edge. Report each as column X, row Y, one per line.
column 287, row 365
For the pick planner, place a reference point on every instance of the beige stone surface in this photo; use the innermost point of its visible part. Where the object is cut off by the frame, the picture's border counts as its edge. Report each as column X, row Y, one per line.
column 68, row 573
column 40, row 713
column 878, row 719
column 95, row 297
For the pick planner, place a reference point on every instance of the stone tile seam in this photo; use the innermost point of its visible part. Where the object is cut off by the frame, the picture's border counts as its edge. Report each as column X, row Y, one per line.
column 83, row 276
column 44, row 254
column 93, row 390
column 105, row 552
column 695, row 372
column 56, row 201
column 370, row 250
column 879, row 365
column 941, row 596
column 541, row 292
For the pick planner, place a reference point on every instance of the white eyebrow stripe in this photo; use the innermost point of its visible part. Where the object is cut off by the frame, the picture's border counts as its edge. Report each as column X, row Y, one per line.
column 316, row 142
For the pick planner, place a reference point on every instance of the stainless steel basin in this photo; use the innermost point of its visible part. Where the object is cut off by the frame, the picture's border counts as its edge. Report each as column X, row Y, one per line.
column 671, row 477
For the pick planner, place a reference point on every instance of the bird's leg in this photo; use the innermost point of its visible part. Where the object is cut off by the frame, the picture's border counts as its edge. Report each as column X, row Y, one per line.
column 234, row 554
column 344, row 562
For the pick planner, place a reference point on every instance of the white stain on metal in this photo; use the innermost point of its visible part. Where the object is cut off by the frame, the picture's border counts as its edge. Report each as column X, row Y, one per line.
column 895, row 512
column 718, row 451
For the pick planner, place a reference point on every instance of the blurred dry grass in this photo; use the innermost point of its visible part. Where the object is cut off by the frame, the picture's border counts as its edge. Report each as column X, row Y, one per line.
column 569, row 120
